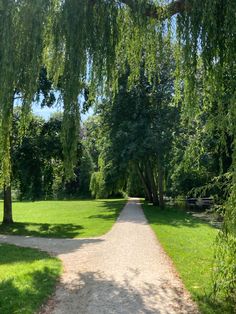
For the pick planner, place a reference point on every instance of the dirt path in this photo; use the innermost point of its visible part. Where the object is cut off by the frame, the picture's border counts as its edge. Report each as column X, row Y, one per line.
column 122, row 272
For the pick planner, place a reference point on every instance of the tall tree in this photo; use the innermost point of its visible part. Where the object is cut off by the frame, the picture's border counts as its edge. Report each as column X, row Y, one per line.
column 138, row 126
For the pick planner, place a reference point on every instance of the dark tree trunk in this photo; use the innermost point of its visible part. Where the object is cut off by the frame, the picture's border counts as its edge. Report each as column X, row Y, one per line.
column 145, row 185
column 7, row 206
column 160, row 184
column 152, row 183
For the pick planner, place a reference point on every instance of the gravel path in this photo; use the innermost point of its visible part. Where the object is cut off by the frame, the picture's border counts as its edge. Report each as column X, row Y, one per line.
column 123, row 272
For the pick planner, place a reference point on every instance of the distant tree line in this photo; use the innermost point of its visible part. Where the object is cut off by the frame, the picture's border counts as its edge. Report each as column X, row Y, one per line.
column 37, row 161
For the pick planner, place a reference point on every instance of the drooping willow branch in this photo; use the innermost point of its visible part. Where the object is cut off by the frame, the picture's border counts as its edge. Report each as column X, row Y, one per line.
column 161, row 12
column 157, row 12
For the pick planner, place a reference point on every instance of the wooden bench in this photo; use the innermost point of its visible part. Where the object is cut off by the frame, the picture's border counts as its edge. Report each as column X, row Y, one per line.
column 191, row 201
column 204, row 202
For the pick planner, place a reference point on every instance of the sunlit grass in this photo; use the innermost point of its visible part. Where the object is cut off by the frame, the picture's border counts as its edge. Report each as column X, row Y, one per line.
column 64, row 219
column 190, row 244
column 27, row 278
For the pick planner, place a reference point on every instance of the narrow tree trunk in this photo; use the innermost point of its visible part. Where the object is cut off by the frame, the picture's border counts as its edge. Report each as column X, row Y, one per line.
column 160, row 184
column 7, row 206
column 152, row 183
column 145, row 185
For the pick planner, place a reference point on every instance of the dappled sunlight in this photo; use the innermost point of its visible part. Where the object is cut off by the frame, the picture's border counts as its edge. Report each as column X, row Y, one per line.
column 29, row 298
column 42, row 229
column 174, row 218
column 101, row 294
column 116, row 273
column 27, row 278
column 64, row 219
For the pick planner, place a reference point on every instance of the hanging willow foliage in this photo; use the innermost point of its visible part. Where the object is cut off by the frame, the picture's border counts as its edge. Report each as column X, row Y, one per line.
column 208, row 32
column 91, row 41
column 80, row 47
column 21, row 38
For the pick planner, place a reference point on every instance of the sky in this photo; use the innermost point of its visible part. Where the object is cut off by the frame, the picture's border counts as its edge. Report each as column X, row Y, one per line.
column 46, row 112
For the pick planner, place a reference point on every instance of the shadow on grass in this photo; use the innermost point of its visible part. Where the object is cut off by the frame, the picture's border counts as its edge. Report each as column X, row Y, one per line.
column 10, row 254
column 209, row 305
column 42, row 229
column 104, row 216
column 171, row 217
column 30, row 294
column 111, row 209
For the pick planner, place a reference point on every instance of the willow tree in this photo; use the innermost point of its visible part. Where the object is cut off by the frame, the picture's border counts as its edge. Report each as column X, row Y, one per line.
column 21, row 37
column 85, row 41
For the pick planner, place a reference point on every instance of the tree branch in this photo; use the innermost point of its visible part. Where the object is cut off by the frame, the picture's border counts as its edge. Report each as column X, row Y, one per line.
column 161, row 13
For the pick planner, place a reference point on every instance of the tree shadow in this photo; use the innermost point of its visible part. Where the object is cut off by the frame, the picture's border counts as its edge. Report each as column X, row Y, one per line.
column 53, row 246
column 104, row 216
column 27, row 296
column 116, row 205
column 210, row 305
column 172, row 217
column 11, row 254
column 42, row 229
column 95, row 293
column 111, row 209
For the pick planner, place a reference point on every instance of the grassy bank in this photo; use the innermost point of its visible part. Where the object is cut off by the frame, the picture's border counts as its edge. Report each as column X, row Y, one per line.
column 190, row 244
column 27, row 278
column 64, row 219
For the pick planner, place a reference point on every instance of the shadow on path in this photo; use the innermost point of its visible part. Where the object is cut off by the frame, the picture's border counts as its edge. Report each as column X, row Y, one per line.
column 98, row 294
column 53, row 246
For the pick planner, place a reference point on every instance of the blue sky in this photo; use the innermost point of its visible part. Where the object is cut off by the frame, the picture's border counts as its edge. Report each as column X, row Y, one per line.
column 47, row 112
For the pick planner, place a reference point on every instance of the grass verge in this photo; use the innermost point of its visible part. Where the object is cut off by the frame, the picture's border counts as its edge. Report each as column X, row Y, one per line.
column 27, row 278
column 190, row 244
column 63, row 219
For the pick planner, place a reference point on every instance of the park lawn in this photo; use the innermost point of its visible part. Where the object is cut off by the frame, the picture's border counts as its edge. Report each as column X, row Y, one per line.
column 64, row 219
column 190, row 244
column 27, row 278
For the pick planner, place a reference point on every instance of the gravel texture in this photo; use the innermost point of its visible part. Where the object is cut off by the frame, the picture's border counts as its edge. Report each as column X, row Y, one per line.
column 125, row 271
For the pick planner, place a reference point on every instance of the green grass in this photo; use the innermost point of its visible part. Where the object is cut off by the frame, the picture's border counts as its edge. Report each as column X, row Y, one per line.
column 63, row 219
column 190, row 244
column 27, row 278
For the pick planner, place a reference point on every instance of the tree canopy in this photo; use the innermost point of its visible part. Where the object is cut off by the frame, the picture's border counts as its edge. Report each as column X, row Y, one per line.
column 91, row 40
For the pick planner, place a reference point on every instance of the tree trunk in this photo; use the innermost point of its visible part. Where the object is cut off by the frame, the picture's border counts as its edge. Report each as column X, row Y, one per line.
column 160, row 184
column 7, row 212
column 152, row 183
column 145, row 185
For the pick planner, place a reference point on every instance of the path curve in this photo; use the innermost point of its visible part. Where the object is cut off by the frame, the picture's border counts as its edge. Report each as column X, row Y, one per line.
column 125, row 271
